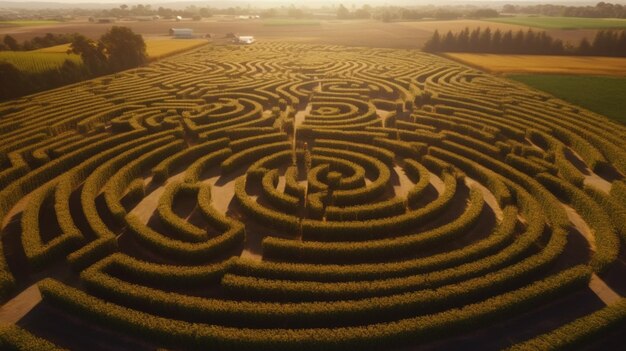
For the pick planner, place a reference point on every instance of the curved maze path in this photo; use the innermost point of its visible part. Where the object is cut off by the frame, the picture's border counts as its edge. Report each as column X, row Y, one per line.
column 311, row 197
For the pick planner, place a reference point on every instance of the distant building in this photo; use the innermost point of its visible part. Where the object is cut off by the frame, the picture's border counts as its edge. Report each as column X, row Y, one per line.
column 106, row 20
column 244, row 39
column 181, row 32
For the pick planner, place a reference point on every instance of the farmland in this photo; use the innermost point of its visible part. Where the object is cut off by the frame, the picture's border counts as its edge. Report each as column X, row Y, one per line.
column 36, row 62
column 293, row 196
column 604, row 95
column 27, row 23
column 370, row 33
column 568, row 23
column 508, row 64
column 155, row 47
column 52, row 58
column 595, row 83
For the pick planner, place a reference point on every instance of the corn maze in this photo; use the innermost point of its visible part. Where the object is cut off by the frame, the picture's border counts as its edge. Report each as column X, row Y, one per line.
column 283, row 197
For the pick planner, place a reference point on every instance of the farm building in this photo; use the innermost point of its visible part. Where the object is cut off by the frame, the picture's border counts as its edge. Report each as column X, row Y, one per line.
column 245, row 39
column 181, row 32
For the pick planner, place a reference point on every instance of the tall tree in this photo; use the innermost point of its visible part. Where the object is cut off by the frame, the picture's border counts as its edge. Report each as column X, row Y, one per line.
column 584, row 48
column 463, row 40
column 11, row 81
column 448, row 42
column 507, row 43
column 91, row 53
column 434, row 43
column 621, row 44
column 342, row 12
column 474, row 40
column 496, row 42
column 124, row 48
column 11, row 43
column 518, row 42
column 484, row 43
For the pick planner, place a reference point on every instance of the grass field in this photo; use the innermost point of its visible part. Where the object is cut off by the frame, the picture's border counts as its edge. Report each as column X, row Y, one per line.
column 604, row 95
column 36, row 62
column 586, row 65
column 27, row 23
column 563, row 22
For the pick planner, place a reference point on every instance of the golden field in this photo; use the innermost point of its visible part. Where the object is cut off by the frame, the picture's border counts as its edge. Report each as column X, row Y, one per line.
column 610, row 66
column 156, row 47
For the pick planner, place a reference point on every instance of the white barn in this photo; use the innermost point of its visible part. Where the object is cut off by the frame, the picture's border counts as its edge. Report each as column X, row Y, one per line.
column 181, row 32
column 245, row 39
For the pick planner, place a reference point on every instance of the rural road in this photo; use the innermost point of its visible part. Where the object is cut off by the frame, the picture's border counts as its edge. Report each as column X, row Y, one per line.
column 16, row 308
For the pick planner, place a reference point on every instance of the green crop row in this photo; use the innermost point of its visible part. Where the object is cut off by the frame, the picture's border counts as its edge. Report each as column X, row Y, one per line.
column 195, row 170
column 14, row 338
column 38, row 250
column 282, row 201
column 379, row 228
column 180, row 228
column 500, row 237
column 354, row 173
column 578, row 333
column 271, row 218
column 121, row 179
column 163, row 170
column 421, row 328
column 245, row 143
column 388, row 208
column 292, row 187
column 372, row 250
column 363, row 194
column 379, row 153
column 420, row 176
column 163, row 275
column 275, row 160
column 252, row 154
column 606, row 240
column 179, row 250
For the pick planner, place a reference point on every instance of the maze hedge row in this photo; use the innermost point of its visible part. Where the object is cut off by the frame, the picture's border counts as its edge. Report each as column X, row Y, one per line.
column 283, row 196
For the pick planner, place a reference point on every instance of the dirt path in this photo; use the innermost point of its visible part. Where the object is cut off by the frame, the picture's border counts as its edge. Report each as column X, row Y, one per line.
column 582, row 227
column 490, row 199
column 221, row 194
column 146, row 207
column 604, row 292
column 596, row 284
column 383, row 115
column 404, row 183
column 436, row 182
column 16, row 308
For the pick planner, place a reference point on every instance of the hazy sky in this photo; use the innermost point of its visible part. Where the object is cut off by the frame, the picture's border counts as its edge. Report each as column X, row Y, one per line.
column 297, row 2
column 307, row 3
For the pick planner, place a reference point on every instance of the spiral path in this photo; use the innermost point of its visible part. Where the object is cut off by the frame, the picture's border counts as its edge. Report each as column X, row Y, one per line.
column 283, row 196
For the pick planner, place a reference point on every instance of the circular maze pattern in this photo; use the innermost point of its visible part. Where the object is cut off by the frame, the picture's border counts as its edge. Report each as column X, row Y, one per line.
column 283, row 196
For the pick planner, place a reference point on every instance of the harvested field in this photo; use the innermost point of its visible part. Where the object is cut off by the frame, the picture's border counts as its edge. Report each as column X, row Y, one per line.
column 567, row 23
column 368, row 33
column 574, row 65
column 284, row 196
column 156, row 47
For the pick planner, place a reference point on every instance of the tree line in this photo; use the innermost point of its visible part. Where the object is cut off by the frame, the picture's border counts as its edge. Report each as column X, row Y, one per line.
column 9, row 43
column 118, row 49
column 605, row 43
column 600, row 10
